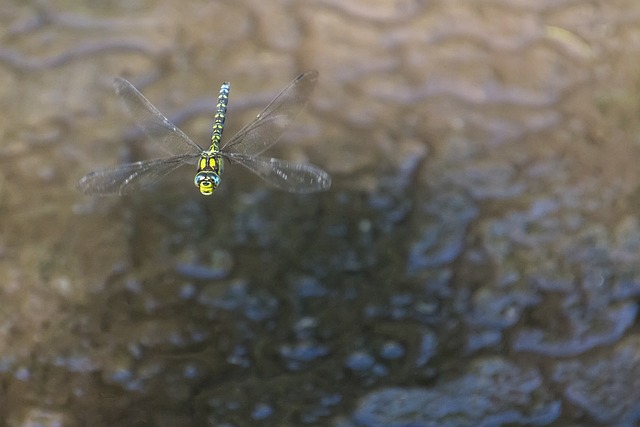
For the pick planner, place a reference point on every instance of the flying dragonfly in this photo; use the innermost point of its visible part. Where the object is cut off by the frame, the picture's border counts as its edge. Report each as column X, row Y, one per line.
column 244, row 148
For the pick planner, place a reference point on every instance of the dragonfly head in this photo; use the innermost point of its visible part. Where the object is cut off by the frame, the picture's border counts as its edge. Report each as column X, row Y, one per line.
column 207, row 182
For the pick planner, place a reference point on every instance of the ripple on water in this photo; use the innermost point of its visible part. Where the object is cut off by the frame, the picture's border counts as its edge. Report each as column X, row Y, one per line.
column 262, row 411
column 599, row 328
column 392, row 350
column 359, row 361
column 492, row 392
column 606, row 388
column 236, row 296
column 218, row 267
column 440, row 239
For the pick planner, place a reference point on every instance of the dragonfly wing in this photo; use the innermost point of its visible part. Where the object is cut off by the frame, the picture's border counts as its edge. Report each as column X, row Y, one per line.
column 171, row 139
column 287, row 176
column 131, row 177
column 265, row 130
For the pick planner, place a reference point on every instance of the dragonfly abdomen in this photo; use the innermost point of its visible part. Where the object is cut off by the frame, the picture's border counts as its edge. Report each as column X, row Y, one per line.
column 218, row 119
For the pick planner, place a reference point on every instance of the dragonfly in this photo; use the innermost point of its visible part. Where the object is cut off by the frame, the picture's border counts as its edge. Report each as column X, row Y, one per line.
column 243, row 148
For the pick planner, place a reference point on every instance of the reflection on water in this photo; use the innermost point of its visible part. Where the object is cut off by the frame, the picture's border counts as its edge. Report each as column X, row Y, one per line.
column 475, row 262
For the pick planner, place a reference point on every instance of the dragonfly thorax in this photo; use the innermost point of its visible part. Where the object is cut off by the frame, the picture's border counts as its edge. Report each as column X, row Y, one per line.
column 207, row 177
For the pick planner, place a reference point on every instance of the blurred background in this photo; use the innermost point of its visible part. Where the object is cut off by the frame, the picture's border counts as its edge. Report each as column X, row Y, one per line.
column 476, row 261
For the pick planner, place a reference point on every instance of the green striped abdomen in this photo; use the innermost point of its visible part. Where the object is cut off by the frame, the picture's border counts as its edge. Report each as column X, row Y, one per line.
column 218, row 119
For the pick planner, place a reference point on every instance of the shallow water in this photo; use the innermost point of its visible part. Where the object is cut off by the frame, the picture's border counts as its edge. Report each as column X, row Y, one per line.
column 475, row 262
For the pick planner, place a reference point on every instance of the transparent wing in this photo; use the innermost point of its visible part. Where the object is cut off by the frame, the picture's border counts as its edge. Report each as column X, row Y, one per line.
column 131, row 177
column 265, row 130
column 171, row 139
column 287, row 176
